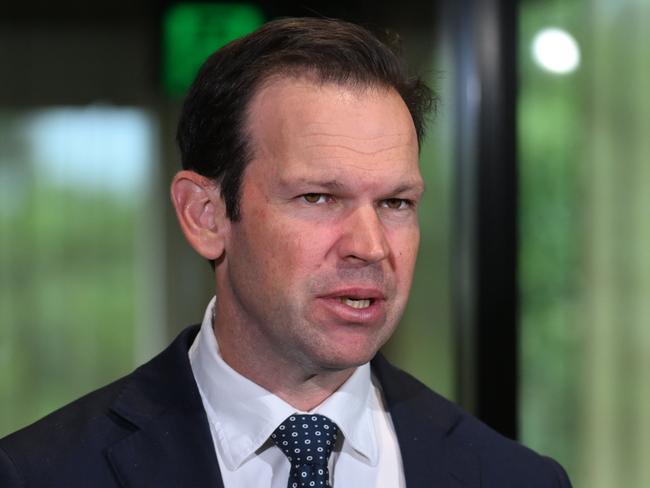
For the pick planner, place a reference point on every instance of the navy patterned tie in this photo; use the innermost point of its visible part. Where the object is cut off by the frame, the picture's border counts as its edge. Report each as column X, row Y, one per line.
column 307, row 441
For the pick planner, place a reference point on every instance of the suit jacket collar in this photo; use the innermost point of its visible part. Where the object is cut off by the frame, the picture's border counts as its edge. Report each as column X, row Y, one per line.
column 425, row 423
column 170, row 443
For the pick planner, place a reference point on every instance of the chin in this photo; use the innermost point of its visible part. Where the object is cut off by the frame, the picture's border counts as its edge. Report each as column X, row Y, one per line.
column 342, row 365
column 342, row 360
column 343, row 348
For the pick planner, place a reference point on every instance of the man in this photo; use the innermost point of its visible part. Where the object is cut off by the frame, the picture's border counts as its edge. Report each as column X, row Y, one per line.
column 301, row 185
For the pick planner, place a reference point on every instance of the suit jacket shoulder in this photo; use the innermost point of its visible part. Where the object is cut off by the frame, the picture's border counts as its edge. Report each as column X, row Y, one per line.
column 442, row 445
column 146, row 429
column 150, row 429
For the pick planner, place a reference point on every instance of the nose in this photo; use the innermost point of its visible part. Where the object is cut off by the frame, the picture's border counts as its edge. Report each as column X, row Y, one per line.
column 363, row 238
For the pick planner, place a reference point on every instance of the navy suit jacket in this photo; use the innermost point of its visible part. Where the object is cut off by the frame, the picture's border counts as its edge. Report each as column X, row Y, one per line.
column 149, row 429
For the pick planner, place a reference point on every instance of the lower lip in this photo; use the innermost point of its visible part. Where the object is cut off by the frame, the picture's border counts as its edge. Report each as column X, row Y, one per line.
column 346, row 313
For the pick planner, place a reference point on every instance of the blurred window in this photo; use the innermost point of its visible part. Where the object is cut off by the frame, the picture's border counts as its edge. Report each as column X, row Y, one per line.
column 584, row 115
column 74, row 183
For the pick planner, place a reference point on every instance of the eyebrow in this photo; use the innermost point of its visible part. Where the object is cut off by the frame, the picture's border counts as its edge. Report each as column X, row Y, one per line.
column 406, row 187
column 335, row 185
column 332, row 185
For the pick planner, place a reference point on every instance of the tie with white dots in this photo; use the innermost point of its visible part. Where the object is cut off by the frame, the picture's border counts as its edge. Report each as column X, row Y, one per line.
column 307, row 441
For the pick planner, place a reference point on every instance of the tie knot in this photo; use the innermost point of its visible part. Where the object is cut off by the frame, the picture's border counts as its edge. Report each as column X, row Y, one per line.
column 306, row 439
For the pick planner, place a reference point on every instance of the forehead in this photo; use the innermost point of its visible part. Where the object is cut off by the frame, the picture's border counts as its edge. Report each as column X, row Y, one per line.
column 299, row 123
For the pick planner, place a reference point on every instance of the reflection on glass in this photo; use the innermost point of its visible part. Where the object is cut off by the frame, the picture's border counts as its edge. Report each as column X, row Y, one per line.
column 555, row 50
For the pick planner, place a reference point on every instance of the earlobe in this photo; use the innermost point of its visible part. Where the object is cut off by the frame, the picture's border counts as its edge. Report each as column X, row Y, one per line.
column 201, row 213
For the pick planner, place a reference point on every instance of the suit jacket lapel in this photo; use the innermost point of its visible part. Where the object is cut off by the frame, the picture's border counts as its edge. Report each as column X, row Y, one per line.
column 170, row 444
column 424, row 423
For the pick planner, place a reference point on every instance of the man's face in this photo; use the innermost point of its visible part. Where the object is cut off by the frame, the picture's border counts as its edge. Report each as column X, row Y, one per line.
column 318, row 269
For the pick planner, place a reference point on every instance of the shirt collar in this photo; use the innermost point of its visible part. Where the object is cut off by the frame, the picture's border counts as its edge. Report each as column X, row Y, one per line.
column 350, row 407
column 244, row 415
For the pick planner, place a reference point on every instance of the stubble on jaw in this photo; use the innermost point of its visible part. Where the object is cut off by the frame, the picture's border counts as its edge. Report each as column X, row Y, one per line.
column 294, row 380
column 298, row 378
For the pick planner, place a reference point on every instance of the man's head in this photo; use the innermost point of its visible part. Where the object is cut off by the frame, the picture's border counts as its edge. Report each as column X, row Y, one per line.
column 303, row 187
column 213, row 129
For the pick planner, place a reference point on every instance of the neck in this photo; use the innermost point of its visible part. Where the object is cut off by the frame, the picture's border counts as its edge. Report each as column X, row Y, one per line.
column 299, row 383
column 306, row 393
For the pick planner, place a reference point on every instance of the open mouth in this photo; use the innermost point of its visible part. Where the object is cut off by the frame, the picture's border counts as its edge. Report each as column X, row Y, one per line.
column 358, row 303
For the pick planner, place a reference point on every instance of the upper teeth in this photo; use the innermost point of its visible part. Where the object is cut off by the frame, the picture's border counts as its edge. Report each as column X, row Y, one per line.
column 363, row 303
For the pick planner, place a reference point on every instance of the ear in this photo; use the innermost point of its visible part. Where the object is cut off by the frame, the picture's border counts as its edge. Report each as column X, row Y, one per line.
column 201, row 213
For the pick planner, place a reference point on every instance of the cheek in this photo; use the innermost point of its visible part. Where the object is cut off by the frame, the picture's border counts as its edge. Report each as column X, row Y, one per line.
column 405, row 244
column 288, row 247
column 304, row 248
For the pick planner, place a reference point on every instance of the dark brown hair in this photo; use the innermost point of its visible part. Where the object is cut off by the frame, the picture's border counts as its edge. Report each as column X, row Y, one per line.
column 212, row 128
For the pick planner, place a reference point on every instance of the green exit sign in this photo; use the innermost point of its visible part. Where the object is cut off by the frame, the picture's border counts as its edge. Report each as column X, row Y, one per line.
column 192, row 31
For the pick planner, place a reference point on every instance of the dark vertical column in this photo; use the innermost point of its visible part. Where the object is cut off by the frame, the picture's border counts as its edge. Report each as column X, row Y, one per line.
column 483, row 36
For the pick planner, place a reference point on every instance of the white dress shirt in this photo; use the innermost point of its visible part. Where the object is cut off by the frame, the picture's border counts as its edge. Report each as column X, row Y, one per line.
column 243, row 415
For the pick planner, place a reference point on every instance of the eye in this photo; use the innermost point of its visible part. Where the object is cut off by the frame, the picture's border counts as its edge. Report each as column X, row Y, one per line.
column 315, row 198
column 397, row 203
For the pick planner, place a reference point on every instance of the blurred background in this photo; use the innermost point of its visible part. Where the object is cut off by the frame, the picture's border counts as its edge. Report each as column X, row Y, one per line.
column 530, row 305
